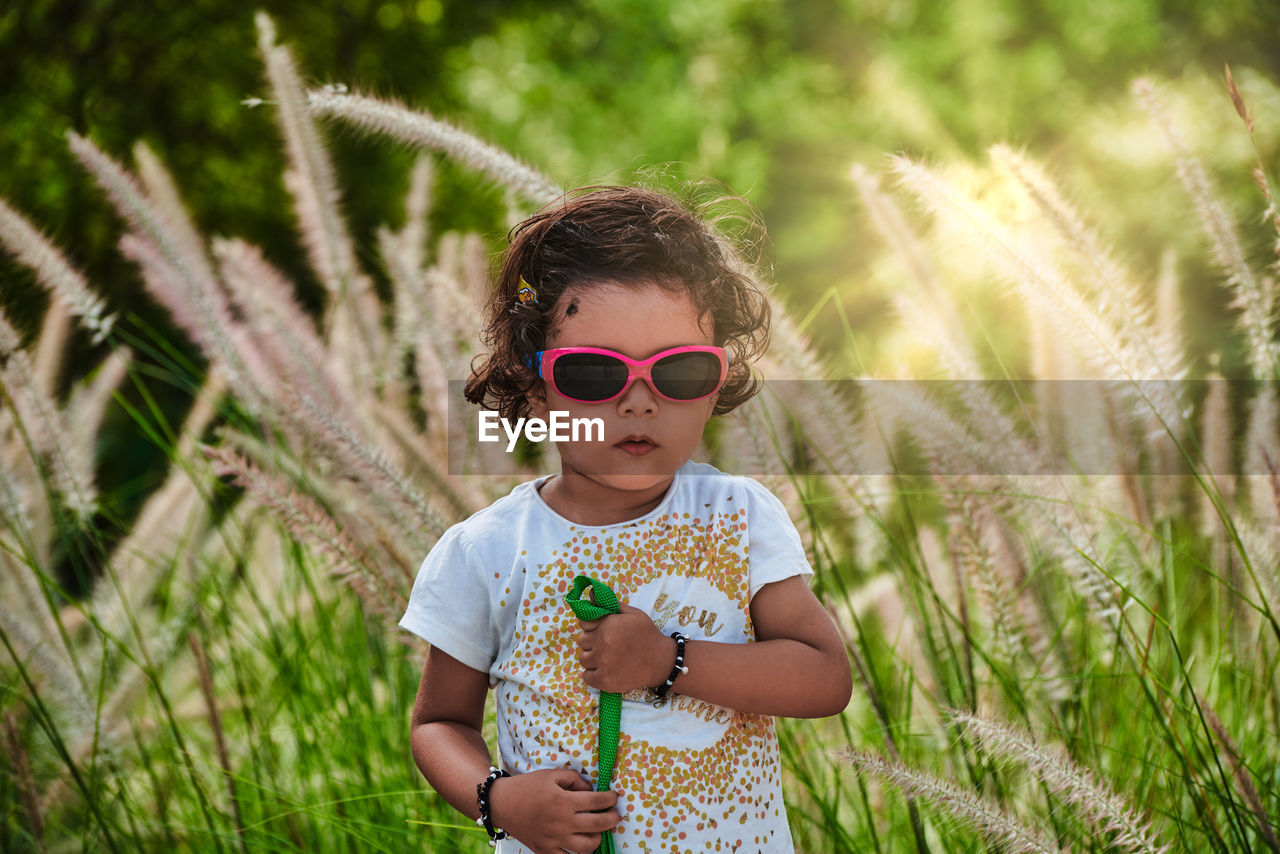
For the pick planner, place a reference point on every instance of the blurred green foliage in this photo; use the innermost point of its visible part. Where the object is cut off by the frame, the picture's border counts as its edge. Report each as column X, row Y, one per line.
column 774, row 99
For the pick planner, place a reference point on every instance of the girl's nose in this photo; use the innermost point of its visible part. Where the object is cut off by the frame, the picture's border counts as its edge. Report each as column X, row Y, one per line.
column 638, row 398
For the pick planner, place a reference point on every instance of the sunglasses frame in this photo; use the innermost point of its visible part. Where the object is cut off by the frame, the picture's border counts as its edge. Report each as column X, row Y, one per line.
column 543, row 361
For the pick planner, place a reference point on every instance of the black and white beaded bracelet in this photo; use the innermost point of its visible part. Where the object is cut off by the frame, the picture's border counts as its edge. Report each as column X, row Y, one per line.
column 679, row 667
column 482, row 796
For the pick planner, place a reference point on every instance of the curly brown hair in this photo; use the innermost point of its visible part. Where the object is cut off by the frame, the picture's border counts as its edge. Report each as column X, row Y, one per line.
column 627, row 236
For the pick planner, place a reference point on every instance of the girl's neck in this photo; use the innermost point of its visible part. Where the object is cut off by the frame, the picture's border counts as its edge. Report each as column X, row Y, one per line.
column 586, row 502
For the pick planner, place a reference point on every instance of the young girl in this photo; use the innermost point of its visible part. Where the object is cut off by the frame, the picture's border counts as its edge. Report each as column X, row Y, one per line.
column 619, row 304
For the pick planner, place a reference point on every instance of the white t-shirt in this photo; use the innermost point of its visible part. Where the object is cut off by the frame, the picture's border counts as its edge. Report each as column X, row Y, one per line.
column 690, row 775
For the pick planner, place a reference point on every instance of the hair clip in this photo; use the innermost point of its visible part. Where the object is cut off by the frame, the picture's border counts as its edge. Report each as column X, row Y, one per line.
column 526, row 293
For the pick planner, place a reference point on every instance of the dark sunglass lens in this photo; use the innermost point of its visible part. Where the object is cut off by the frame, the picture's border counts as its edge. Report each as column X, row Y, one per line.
column 589, row 376
column 687, row 376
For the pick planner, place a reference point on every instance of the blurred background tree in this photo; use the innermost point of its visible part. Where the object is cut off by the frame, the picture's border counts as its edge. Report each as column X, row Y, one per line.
column 774, row 99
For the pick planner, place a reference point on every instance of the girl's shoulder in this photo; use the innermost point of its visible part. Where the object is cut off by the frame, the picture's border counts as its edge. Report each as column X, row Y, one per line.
column 497, row 523
column 705, row 479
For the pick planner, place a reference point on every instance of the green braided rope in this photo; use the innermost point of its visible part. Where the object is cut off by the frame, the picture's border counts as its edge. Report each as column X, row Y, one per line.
column 606, row 603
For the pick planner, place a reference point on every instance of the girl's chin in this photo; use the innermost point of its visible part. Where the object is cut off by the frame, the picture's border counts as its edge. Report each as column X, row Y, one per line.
column 632, row 482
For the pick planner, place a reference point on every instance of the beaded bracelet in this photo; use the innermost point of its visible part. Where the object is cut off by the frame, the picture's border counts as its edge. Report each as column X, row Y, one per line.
column 482, row 796
column 679, row 668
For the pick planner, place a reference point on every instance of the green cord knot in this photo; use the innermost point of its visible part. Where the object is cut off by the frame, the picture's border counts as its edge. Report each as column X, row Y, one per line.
column 604, row 604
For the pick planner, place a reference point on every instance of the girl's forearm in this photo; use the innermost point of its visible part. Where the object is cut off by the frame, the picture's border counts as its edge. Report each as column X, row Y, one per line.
column 783, row 677
column 547, row 809
column 453, row 757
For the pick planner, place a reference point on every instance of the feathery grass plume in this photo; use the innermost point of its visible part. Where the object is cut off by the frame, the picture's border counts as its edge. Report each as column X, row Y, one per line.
column 365, row 462
column 27, row 509
column 164, row 526
column 1255, row 302
column 890, row 223
column 226, row 331
column 1168, row 322
column 13, row 506
column 1260, row 455
column 87, row 404
column 1116, row 296
column 823, row 419
column 934, row 320
column 454, row 288
column 1069, row 527
column 267, row 299
column 415, row 330
column 44, row 425
column 51, row 345
column 457, row 286
column 417, row 204
column 355, row 338
column 942, row 436
column 417, row 333
column 458, row 492
column 29, row 627
column 1216, row 441
column 447, row 337
column 351, row 324
column 997, row 827
column 163, row 196
column 935, row 311
column 32, row 249
column 164, row 284
column 396, row 369
column 433, row 380
column 447, row 309
column 165, row 227
column 967, row 519
column 930, row 317
column 1243, row 778
column 272, row 359
column 155, row 239
column 310, row 178
column 473, row 270
column 1044, row 288
column 404, row 253
column 455, row 292
column 1262, row 546
column 1009, row 552
column 309, row 521
column 1070, row 411
column 1105, row 811
column 747, row 433
column 419, row 128
column 1272, row 212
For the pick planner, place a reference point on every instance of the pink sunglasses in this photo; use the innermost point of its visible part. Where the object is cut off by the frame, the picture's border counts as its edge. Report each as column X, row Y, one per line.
column 596, row 375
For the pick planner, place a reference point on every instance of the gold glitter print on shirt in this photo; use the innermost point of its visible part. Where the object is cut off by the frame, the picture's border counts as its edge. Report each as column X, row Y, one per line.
column 684, row 766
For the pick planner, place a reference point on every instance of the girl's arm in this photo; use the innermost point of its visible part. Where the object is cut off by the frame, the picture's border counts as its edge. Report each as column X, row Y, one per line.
column 546, row 810
column 797, row 668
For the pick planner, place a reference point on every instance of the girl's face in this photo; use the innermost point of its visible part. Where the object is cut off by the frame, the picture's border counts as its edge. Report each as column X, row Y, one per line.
column 636, row 322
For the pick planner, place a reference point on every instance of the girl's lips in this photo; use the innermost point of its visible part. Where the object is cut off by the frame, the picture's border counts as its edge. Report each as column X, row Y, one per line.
column 636, row 447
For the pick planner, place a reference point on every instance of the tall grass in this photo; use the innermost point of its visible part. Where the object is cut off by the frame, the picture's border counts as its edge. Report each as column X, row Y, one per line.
column 1045, row 659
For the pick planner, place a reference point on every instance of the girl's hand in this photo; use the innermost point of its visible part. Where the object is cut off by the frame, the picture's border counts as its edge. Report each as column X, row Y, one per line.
column 623, row 652
column 552, row 810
